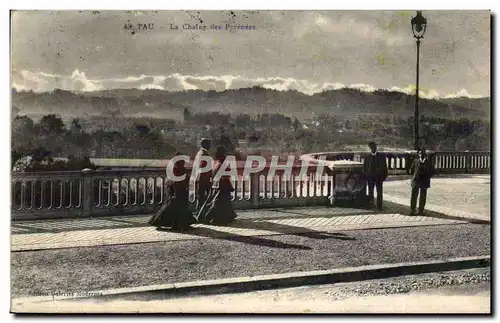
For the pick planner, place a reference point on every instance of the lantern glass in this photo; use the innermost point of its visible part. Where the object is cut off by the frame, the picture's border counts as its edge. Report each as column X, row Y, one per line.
column 418, row 25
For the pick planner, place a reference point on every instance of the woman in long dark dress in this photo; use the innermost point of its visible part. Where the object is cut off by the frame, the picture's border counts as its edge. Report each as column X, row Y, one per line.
column 175, row 212
column 217, row 208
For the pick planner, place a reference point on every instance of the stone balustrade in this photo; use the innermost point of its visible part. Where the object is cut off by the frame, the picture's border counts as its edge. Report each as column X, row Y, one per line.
column 90, row 193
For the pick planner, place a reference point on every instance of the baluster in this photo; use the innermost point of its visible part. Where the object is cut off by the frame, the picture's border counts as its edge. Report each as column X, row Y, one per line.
column 320, row 191
column 136, row 194
column 118, row 191
column 126, row 188
column 70, row 204
column 32, row 195
column 153, row 190
column 293, row 186
column 52, row 198
column 133, row 191
column 13, row 195
column 162, row 190
column 41, row 194
column 272, row 187
column 23, row 206
column 144, row 191
column 323, row 185
column 301, row 187
column 286, row 186
column 80, row 194
column 246, row 188
column 264, row 182
column 281, row 190
column 99, row 193
column 108, row 192
column 61, row 196
column 255, row 189
column 307, row 184
column 314, row 183
column 235, row 192
column 192, row 190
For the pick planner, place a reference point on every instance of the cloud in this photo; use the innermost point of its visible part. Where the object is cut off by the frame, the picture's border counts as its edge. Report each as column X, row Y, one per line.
column 411, row 89
column 78, row 82
column 462, row 93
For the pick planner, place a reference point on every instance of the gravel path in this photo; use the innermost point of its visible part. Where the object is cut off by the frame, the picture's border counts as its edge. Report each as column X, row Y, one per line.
column 406, row 284
column 98, row 268
column 466, row 291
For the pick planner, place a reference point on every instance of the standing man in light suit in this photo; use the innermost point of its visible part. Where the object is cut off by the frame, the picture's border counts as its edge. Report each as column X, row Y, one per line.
column 204, row 183
column 375, row 170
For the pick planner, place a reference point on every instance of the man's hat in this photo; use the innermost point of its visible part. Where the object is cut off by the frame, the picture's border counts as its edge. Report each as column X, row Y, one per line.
column 204, row 140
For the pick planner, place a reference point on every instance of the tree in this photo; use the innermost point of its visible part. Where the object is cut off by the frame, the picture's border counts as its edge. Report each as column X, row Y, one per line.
column 22, row 125
column 22, row 130
column 15, row 111
column 51, row 124
column 75, row 126
column 187, row 114
column 142, row 129
column 296, row 124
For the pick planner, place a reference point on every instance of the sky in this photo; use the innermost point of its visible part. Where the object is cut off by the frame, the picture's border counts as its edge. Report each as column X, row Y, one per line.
column 308, row 51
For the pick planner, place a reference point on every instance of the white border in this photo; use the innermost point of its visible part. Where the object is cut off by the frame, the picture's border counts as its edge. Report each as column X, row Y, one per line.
column 199, row 4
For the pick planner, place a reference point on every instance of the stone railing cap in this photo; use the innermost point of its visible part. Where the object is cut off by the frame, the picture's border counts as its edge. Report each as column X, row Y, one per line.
column 344, row 163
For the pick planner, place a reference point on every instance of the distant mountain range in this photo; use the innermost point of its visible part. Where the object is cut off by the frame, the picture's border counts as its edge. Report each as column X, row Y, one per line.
column 252, row 101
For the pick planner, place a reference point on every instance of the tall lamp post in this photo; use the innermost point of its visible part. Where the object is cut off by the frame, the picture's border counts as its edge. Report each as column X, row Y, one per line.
column 418, row 26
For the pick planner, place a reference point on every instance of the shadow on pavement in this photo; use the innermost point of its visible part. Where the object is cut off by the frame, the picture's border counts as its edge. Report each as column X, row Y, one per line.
column 335, row 212
column 288, row 229
column 67, row 225
column 215, row 234
column 462, row 175
column 392, row 207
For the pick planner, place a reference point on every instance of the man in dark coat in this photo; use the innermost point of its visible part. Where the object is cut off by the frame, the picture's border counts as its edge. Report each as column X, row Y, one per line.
column 375, row 170
column 205, row 178
column 422, row 170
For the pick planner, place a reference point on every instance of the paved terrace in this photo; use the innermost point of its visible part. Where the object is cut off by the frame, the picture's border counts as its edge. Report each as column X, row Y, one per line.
column 451, row 199
column 69, row 254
